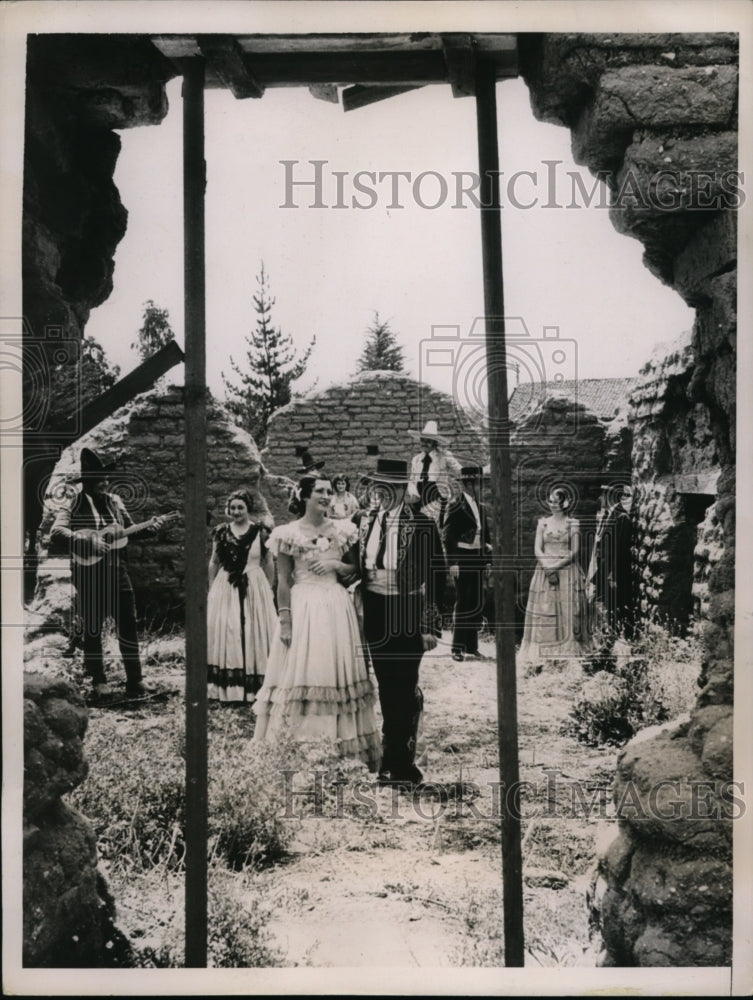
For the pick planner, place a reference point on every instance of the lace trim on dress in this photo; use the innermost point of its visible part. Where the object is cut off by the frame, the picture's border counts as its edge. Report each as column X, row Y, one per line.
column 334, row 538
column 315, row 700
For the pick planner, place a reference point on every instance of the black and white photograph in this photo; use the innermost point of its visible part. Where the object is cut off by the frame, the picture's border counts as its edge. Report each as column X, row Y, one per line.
column 370, row 442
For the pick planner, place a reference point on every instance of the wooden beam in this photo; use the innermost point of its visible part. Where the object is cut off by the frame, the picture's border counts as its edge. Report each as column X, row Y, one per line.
column 502, row 521
column 139, row 380
column 225, row 58
column 194, row 186
column 460, row 57
column 359, row 97
column 306, row 68
column 325, row 92
column 368, row 59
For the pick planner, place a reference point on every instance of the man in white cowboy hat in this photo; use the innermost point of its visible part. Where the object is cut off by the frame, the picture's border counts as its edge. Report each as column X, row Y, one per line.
column 431, row 468
column 99, row 571
column 402, row 569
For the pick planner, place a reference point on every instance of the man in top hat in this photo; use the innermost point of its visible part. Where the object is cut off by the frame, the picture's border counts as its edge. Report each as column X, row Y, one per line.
column 308, row 466
column 609, row 579
column 402, row 569
column 99, row 571
column 468, row 546
column 431, row 468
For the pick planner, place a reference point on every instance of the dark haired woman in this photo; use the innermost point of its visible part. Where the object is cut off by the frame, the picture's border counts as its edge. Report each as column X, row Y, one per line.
column 240, row 607
column 317, row 682
column 556, row 624
column 344, row 504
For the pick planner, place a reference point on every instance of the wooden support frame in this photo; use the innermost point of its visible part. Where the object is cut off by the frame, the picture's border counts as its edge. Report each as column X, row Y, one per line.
column 501, row 492
column 194, row 185
column 465, row 61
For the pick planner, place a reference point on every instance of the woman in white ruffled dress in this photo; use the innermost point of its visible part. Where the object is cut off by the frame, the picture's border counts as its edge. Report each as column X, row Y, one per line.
column 317, row 683
column 241, row 614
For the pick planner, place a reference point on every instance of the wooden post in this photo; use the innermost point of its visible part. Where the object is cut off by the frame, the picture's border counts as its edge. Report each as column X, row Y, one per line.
column 501, row 494
column 194, row 183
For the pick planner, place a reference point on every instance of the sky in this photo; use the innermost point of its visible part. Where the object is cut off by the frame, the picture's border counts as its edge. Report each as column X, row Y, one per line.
column 413, row 255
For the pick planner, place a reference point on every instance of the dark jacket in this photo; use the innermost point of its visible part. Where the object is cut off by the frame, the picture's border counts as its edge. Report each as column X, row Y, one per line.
column 460, row 526
column 79, row 516
column 421, row 562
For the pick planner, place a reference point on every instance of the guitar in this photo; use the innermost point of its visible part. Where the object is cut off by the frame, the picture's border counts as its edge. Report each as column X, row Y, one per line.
column 88, row 542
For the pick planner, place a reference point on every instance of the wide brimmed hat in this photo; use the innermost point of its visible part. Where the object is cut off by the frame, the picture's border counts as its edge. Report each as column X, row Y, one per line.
column 307, row 463
column 471, row 472
column 92, row 466
column 430, row 431
column 389, row 470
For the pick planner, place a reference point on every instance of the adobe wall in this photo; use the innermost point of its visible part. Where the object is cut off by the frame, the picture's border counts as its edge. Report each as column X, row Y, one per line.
column 147, row 439
column 674, row 452
column 351, row 424
column 561, row 443
column 656, row 115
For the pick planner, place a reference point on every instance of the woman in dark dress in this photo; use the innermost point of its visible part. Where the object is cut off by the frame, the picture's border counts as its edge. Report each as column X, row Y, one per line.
column 241, row 615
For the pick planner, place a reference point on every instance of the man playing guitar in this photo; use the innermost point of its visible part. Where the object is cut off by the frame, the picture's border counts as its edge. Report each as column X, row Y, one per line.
column 95, row 526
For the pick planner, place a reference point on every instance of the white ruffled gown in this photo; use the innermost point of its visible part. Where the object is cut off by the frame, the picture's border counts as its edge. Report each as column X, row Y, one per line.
column 319, row 685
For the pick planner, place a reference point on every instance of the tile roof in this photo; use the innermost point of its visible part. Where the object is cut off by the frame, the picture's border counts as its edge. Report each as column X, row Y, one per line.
column 602, row 396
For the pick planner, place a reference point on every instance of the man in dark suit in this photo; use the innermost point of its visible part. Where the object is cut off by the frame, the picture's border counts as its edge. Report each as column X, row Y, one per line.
column 402, row 569
column 610, row 575
column 99, row 571
column 468, row 547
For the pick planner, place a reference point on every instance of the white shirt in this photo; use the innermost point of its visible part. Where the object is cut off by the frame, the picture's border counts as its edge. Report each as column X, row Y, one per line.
column 476, row 543
column 438, row 472
column 390, row 548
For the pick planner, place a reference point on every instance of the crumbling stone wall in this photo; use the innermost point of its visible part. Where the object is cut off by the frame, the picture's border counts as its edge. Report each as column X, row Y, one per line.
column 68, row 913
column 655, row 115
column 351, row 424
column 79, row 89
column 147, row 439
column 674, row 448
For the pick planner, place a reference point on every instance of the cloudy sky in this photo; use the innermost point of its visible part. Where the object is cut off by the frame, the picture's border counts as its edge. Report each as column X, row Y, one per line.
column 412, row 251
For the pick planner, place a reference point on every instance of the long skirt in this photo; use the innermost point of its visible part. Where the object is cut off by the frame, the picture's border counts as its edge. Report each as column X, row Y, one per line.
column 229, row 677
column 319, row 684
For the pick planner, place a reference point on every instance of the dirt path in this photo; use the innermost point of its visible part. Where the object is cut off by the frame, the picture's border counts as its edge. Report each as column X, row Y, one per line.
column 418, row 883
column 378, row 878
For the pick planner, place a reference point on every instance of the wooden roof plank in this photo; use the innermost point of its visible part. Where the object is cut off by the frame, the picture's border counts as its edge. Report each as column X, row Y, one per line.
column 460, row 57
column 225, row 58
column 359, row 96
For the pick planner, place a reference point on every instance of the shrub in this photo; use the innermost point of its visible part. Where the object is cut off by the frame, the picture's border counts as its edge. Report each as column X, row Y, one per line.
column 134, row 794
column 237, row 934
column 636, row 684
column 247, row 809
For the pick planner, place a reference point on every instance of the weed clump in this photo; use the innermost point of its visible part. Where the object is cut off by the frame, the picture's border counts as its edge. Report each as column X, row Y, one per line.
column 635, row 683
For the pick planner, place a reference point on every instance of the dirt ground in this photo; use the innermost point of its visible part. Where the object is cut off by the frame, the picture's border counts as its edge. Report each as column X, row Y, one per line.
column 378, row 878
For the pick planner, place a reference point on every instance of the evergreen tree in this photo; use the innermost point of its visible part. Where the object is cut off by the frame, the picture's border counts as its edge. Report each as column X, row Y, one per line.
column 81, row 383
column 272, row 365
column 155, row 331
column 381, row 351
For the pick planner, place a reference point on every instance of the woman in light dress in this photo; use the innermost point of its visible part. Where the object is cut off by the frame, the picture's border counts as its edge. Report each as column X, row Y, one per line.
column 317, row 683
column 344, row 504
column 240, row 606
column 556, row 624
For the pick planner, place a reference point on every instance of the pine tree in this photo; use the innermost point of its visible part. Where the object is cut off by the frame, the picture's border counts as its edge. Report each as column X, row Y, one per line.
column 78, row 384
column 155, row 331
column 381, row 351
column 272, row 365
